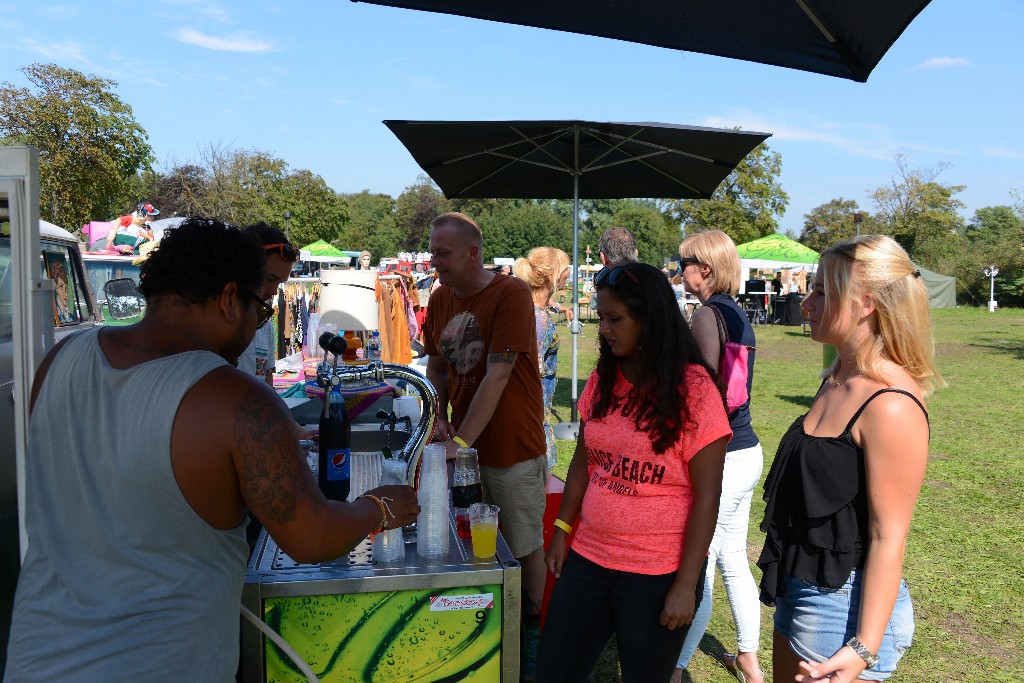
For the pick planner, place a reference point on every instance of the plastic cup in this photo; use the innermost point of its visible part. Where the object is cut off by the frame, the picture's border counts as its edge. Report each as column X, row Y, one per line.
column 315, row 352
column 483, row 526
column 407, row 406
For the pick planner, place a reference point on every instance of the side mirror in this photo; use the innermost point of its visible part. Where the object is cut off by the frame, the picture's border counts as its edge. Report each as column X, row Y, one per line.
column 123, row 299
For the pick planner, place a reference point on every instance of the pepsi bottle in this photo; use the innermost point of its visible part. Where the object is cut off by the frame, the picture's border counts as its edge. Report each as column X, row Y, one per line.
column 335, row 469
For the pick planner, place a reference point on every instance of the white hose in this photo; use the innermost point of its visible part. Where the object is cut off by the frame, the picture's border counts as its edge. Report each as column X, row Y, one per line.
column 281, row 643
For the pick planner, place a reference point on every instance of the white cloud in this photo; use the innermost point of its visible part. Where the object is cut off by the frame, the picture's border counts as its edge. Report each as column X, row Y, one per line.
column 863, row 140
column 944, row 63
column 57, row 52
column 1004, row 153
column 239, row 42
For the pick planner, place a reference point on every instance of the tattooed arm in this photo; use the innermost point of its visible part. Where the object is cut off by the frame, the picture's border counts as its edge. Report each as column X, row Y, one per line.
column 235, row 446
column 499, row 369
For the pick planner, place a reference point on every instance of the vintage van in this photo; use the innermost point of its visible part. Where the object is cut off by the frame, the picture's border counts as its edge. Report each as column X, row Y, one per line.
column 74, row 308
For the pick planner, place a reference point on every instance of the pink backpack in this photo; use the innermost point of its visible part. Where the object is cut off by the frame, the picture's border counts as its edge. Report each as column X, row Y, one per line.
column 732, row 367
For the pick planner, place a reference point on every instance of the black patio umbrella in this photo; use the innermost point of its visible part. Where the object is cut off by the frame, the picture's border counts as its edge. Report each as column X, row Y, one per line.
column 563, row 159
column 843, row 38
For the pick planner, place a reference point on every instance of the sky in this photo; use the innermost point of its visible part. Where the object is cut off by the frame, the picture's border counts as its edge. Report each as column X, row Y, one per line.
column 310, row 82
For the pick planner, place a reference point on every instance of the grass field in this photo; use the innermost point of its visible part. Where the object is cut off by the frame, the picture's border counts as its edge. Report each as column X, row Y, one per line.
column 965, row 558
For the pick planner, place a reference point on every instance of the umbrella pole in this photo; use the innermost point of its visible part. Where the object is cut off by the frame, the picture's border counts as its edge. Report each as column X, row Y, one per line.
column 575, row 286
column 570, row 430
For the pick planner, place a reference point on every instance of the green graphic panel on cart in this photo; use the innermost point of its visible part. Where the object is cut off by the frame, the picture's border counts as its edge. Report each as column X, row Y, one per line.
column 421, row 635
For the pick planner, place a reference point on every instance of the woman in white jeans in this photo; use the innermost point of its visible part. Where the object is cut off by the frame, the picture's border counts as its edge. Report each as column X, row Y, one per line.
column 710, row 267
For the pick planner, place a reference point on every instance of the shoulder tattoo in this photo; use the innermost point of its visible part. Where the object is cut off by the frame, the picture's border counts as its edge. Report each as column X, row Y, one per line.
column 270, row 479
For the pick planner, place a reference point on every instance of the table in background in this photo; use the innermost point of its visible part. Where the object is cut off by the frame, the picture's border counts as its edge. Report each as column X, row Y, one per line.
column 787, row 310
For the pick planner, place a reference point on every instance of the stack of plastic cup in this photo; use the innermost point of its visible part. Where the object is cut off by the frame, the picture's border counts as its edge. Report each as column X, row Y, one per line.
column 432, row 522
column 389, row 546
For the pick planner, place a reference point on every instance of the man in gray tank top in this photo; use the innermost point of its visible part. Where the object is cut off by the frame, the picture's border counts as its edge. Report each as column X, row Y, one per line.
column 146, row 450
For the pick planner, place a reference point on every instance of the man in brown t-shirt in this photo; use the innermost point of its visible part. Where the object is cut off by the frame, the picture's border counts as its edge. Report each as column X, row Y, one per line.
column 481, row 342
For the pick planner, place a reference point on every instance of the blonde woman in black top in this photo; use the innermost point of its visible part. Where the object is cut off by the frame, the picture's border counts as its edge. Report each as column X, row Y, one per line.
column 842, row 489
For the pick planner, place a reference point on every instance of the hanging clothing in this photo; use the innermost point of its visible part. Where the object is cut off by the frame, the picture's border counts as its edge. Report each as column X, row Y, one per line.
column 393, row 323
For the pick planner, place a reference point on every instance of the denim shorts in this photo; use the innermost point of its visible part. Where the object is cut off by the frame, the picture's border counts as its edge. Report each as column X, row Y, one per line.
column 818, row 622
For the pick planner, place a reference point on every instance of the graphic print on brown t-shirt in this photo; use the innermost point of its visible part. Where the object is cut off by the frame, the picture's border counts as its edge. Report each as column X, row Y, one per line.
column 462, row 344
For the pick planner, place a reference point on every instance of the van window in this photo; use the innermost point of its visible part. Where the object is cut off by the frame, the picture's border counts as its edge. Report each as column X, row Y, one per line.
column 69, row 301
column 100, row 272
column 6, row 297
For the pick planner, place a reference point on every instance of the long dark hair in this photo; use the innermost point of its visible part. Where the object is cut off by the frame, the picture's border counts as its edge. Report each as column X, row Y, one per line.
column 657, row 401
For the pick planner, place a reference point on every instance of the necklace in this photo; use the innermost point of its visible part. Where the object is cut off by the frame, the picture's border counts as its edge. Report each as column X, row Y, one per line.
column 835, row 384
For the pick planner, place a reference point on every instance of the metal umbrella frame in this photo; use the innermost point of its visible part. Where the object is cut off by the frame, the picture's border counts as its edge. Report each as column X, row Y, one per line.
column 547, row 159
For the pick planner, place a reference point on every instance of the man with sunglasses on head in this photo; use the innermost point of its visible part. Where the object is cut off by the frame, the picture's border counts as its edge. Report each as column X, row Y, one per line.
column 136, row 519
column 260, row 358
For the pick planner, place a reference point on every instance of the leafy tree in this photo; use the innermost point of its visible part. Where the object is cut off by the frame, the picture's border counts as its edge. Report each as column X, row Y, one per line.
column 372, row 225
column 920, row 213
column 596, row 216
column 512, row 227
column 242, row 186
column 419, row 204
column 996, row 237
column 181, row 192
column 834, row 221
column 747, row 205
column 655, row 237
column 90, row 146
column 317, row 212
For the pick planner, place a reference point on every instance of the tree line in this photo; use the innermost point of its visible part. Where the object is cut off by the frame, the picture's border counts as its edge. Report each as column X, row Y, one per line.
column 96, row 164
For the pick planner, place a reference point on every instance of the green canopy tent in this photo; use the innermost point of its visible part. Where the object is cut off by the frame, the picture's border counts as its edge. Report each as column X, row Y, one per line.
column 941, row 288
column 776, row 251
column 324, row 253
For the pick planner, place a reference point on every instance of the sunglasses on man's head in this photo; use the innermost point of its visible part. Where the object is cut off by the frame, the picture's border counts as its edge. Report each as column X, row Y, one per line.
column 287, row 251
column 612, row 277
column 264, row 312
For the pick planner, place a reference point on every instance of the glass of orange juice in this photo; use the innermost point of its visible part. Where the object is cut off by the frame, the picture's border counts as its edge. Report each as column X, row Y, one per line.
column 483, row 527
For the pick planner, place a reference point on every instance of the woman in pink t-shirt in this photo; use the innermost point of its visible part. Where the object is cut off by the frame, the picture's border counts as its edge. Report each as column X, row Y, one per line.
column 642, row 489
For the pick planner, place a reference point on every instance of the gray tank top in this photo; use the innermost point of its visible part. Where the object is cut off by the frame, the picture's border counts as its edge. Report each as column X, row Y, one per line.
column 122, row 581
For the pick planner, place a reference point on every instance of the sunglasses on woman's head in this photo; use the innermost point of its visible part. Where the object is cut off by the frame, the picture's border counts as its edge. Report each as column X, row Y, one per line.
column 614, row 276
column 688, row 259
column 287, row 251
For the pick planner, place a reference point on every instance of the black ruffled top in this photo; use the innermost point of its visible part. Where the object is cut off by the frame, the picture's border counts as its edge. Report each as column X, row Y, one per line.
column 815, row 522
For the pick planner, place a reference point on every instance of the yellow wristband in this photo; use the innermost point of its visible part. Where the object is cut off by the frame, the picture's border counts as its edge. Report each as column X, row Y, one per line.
column 564, row 526
column 459, row 440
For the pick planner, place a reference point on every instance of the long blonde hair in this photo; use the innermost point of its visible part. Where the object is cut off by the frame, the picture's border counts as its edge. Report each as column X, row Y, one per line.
column 877, row 265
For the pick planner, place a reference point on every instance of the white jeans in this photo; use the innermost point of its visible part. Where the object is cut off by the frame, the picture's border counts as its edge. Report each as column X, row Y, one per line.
column 728, row 553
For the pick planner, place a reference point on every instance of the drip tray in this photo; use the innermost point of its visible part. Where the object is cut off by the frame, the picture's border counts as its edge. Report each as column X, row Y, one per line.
column 361, row 557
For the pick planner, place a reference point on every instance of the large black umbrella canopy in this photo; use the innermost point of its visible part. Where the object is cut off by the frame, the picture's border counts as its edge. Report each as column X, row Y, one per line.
column 843, row 38
column 574, row 159
column 543, row 159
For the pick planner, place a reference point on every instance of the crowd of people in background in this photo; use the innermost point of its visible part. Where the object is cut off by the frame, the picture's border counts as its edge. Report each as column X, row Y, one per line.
column 657, row 496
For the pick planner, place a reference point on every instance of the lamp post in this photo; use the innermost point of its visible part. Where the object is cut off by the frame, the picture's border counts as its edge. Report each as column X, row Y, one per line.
column 857, row 218
column 288, row 225
column 992, row 271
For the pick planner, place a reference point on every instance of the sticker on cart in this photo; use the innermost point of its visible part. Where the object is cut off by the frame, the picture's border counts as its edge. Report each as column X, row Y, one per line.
column 444, row 603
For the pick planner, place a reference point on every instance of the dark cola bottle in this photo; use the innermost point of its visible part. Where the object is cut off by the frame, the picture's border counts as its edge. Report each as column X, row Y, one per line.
column 466, row 488
column 335, row 470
